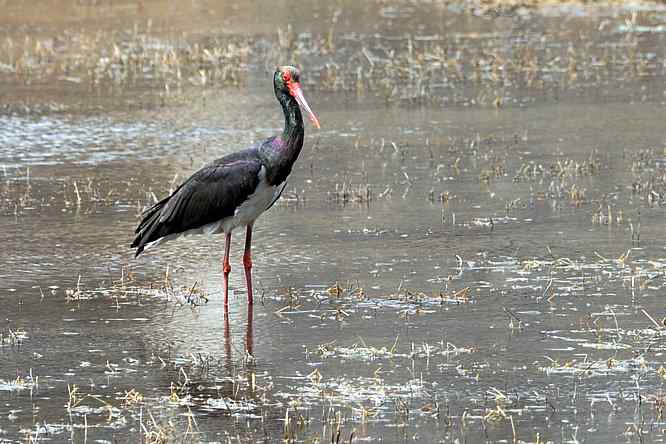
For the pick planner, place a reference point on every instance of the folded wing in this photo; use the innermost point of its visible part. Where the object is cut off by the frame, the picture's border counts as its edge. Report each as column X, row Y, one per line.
column 212, row 193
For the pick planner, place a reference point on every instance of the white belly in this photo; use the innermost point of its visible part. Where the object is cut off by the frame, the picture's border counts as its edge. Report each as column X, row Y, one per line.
column 245, row 214
column 251, row 209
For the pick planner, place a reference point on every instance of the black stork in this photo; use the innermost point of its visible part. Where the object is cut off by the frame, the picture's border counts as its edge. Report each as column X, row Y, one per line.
column 235, row 190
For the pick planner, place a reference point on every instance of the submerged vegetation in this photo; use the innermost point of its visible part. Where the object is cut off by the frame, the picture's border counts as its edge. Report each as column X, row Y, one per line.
column 433, row 65
column 347, row 387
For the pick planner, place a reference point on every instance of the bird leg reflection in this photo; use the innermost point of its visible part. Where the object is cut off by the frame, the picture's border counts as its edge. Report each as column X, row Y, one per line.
column 249, row 335
column 227, row 338
column 249, row 331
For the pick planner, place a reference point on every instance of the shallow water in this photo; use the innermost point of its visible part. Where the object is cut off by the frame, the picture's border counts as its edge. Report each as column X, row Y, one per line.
column 448, row 271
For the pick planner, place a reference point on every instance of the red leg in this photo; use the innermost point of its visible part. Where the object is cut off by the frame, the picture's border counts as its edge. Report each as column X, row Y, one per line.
column 226, row 269
column 247, row 263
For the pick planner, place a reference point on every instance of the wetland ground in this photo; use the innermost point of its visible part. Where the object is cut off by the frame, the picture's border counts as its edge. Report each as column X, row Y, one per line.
column 472, row 249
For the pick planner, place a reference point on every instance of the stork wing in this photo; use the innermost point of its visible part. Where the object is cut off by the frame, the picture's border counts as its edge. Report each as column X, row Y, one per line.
column 212, row 193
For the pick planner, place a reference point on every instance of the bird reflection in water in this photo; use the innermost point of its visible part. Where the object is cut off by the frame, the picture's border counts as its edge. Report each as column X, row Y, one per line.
column 249, row 335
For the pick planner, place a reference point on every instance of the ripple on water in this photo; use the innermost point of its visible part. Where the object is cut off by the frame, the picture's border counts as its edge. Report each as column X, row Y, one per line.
column 52, row 140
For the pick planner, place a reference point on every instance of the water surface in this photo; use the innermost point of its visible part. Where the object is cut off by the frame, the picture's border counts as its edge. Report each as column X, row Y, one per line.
column 456, row 269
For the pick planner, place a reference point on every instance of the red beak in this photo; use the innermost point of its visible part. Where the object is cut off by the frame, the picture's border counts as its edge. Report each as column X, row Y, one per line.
column 297, row 93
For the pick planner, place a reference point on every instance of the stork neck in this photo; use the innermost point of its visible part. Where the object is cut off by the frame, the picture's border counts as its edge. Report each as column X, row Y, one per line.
column 293, row 119
column 281, row 153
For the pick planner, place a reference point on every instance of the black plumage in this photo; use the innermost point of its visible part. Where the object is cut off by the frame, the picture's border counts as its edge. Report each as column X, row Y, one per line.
column 212, row 193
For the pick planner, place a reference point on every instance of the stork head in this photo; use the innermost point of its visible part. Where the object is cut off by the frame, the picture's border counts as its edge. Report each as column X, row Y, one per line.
column 287, row 79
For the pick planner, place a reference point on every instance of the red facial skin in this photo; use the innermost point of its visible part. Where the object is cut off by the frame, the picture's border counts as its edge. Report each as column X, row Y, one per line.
column 296, row 92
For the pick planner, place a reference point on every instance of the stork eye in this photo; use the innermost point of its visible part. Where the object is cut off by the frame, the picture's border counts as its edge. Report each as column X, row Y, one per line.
column 286, row 76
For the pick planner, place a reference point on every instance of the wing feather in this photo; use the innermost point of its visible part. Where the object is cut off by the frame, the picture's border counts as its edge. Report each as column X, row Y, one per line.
column 212, row 193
